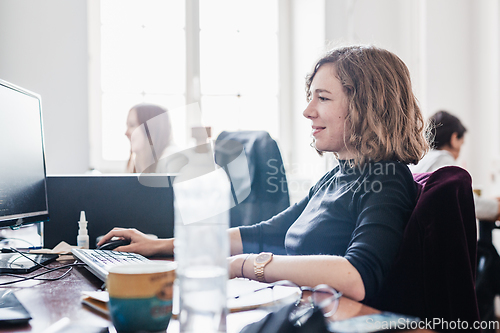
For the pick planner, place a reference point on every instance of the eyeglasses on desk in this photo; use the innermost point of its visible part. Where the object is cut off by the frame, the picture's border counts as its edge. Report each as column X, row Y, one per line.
column 322, row 297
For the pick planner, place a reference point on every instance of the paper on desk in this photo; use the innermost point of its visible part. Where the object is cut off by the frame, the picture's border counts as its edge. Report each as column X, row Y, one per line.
column 65, row 325
column 97, row 300
column 63, row 249
column 250, row 295
column 243, row 294
column 99, row 295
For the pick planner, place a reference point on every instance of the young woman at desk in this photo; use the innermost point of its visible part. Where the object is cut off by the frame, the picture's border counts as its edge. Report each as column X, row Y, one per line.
column 347, row 231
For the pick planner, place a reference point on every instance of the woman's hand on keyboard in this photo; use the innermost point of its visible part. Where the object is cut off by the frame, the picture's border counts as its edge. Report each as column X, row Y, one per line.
column 140, row 242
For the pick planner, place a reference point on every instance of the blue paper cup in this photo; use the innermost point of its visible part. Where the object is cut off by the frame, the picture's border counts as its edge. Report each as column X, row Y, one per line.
column 140, row 296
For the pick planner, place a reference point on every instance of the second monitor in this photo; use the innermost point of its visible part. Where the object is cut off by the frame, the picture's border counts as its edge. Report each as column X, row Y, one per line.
column 108, row 201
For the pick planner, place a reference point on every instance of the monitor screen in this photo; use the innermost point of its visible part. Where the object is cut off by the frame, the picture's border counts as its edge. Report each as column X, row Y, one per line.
column 23, row 189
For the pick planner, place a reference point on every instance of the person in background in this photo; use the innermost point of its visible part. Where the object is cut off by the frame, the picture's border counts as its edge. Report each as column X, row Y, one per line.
column 449, row 135
column 347, row 231
column 150, row 133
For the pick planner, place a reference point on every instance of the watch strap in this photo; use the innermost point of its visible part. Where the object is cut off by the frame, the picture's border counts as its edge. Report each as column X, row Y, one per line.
column 260, row 265
column 259, row 272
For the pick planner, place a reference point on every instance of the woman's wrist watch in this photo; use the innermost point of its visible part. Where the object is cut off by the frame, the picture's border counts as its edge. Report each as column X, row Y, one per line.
column 260, row 263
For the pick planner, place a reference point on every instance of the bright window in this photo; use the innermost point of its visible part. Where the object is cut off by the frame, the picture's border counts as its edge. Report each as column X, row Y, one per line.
column 239, row 64
column 141, row 56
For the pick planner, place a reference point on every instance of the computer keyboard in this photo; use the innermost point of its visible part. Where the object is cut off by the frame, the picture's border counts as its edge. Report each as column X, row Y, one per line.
column 99, row 261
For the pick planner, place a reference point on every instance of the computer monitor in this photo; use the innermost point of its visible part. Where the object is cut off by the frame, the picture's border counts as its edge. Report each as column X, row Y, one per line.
column 23, row 186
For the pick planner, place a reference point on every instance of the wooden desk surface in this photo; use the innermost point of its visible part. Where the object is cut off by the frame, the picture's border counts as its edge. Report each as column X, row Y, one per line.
column 50, row 301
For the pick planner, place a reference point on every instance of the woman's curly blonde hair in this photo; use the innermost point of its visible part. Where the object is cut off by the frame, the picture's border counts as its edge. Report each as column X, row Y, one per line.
column 383, row 113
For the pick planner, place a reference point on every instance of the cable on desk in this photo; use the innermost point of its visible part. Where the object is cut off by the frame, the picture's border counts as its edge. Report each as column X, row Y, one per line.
column 34, row 277
column 21, row 253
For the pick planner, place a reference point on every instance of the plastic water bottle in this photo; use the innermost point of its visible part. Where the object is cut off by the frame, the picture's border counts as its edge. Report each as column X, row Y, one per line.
column 202, row 195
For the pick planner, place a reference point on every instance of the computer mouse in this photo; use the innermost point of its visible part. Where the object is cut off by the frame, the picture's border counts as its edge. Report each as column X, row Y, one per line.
column 111, row 245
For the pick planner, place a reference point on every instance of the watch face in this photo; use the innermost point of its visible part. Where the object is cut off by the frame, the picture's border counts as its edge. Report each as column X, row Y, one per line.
column 262, row 258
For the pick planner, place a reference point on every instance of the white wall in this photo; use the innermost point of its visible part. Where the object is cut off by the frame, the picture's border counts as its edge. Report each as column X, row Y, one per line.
column 43, row 48
column 450, row 68
column 390, row 24
column 462, row 44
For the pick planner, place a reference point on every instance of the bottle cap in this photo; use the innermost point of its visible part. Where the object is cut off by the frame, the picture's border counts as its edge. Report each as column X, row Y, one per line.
column 82, row 216
column 82, row 230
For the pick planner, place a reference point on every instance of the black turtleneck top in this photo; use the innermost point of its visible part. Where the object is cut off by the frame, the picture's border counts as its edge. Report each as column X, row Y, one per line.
column 356, row 212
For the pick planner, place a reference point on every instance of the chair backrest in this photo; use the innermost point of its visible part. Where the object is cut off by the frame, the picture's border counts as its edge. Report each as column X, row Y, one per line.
column 435, row 270
column 266, row 192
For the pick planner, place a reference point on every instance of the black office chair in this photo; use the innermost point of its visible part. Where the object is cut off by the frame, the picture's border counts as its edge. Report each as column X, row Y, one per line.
column 253, row 162
column 434, row 273
column 488, row 272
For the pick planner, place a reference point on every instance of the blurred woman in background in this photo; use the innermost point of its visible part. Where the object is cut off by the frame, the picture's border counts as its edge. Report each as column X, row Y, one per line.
column 150, row 133
column 449, row 136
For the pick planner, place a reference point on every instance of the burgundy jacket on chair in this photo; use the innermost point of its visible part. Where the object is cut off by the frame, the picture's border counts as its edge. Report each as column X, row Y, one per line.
column 435, row 271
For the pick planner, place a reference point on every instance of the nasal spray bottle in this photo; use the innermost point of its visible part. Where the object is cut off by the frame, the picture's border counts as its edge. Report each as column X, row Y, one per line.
column 83, row 237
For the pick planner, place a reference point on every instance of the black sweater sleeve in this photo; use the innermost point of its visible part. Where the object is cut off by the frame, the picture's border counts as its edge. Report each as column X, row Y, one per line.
column 381, row 220
column 270, row 235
